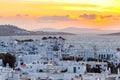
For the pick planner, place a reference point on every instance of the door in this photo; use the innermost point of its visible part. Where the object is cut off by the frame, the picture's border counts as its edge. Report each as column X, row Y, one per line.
column 74, row 69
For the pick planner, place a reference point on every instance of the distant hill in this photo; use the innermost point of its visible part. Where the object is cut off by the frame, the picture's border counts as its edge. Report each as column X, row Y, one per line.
column 70, row 29
column 11, row 30
column 79, row 30
column 115, row 34
column 48, row 29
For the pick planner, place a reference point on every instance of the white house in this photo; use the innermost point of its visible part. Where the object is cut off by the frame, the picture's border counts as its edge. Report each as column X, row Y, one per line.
column 1, row 63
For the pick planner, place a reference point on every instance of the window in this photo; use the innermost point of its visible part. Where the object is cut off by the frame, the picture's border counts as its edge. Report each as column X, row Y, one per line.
column 78, row 67
column 99, row 56
column 104, row 55
column 112, row 55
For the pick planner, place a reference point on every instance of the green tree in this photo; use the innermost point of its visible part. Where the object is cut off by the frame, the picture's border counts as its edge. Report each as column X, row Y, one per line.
column 8, row 58
column 118, row 49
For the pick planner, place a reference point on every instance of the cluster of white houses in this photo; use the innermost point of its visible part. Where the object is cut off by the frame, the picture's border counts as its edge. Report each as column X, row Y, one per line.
column 43, row 60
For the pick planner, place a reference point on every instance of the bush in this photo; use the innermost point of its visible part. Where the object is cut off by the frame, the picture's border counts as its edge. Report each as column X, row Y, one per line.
column 91, row 59
column 55, row 48
column 63, row 71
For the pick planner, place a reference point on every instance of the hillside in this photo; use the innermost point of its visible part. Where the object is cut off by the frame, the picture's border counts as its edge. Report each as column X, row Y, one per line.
column 11, row 30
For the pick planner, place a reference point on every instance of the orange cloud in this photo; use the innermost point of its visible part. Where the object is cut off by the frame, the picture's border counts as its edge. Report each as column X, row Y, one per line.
column 89, row 13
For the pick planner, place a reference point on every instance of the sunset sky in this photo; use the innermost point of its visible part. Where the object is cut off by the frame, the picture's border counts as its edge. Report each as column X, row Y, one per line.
column 36, row 14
